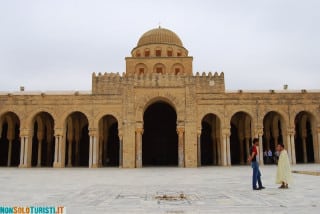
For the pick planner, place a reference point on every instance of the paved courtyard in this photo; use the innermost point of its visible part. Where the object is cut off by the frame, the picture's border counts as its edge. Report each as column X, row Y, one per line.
column 159, row 190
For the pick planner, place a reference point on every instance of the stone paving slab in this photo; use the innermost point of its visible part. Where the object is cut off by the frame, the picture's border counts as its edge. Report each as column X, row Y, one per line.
column 113, row 190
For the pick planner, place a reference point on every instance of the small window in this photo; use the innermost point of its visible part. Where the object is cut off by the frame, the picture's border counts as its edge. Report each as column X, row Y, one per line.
column 147, row 53
column 169, row 53
column 141, row 70
column 176, row 71
column 158, row 52
column 159, row 70
column 179, row 53
column 138, row 54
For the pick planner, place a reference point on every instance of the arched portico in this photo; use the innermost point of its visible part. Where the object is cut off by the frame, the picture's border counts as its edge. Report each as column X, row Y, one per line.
column 210, row 141
column 42, row 129
column 109, row 142
column 160, row 138
column 274, row 132
column 240, row 138
column 9, row 139
column 305, row 144
column 77, row 140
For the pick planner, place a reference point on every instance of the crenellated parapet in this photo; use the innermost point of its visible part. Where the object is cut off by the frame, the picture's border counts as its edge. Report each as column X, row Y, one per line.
column 107, row 83
column 210, row 83
column 111, row 83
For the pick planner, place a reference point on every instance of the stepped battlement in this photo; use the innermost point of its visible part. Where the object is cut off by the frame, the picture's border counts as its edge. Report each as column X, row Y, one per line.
column 111, row 83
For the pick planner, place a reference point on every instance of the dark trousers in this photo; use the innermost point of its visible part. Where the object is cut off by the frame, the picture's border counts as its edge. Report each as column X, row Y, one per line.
column 256, row 176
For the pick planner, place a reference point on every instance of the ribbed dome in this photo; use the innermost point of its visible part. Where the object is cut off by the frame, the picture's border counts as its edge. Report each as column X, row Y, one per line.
column 159, row 36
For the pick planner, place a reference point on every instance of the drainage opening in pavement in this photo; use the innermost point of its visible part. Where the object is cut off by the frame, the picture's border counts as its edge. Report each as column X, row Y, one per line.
column 171, row 197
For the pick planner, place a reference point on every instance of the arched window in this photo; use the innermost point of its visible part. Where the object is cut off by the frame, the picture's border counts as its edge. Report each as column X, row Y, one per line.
column 159, row 69
column 158, row 52
column 141, row 69
column 169, row 52
column 177, row 69
column 147, row 52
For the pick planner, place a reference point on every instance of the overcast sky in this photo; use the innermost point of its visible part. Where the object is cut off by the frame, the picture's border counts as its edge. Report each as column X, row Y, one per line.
column 56, row 45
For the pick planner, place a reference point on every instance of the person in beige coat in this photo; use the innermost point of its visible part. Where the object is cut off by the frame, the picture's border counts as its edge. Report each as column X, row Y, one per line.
column 284, row 176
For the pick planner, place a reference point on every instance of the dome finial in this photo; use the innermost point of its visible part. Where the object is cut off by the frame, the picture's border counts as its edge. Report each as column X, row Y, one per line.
column 159, row 25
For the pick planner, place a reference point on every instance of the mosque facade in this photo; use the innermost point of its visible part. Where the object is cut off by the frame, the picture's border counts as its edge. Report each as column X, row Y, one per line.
column 158, row 113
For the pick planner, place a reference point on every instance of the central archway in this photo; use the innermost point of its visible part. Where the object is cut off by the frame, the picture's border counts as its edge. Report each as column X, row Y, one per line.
column 160, row 139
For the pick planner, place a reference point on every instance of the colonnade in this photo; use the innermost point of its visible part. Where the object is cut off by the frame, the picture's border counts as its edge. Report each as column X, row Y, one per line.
column 76, row 144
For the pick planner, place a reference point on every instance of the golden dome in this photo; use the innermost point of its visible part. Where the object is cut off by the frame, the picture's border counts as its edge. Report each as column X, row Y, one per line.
column 159, row 36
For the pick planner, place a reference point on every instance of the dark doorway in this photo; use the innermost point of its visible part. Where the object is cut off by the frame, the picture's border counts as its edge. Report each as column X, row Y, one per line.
column 206, row 144
column 209, row 140
column 4, row 145
column 160, row 139
column 303, row 124
column 234, row 145
column 109, row 142
column 10, row 132
column 113, row 146
column 77, row 140
column 43, row 133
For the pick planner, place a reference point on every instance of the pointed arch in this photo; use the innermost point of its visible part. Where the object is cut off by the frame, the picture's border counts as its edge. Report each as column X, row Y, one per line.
column 9, row 139
column 77, row 139
column 241, row 136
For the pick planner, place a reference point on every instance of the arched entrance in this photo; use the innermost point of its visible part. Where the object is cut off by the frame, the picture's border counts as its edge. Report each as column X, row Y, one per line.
column 304, row 139
column 273, row 131
column 240, row 137
column 210, row 140
column 77, row 140
column 109, row 142
column 9, row 140
column 42, row 140
column 160, row 139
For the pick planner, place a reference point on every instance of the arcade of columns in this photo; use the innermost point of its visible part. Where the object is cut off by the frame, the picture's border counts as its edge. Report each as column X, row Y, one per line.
column 45, row 145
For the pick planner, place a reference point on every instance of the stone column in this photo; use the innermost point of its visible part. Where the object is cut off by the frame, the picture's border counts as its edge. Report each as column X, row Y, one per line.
column 49, row 157
column 105, row 147
column 241, row 139
column 94, row 153
column 139, row 132
column 224, row 150
column 77, row 156
column 260, row 150
column 9, row 152
column 93, row 148
column 120, row 150
column 219, row 151
column 69, row 153
column 22, row 151
column 180, row 131
column 59, row 148
column 304, row 149
column 90, row 150
column 25, row 150
column 289, row 148
column 199, row 147
column 100, row 150
column 293, row 149
column 70, row 137
column 56, row 151
column 214, row 152
column 26, row 153
column 247, row 139
column 39, row 152
column 228, row 150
